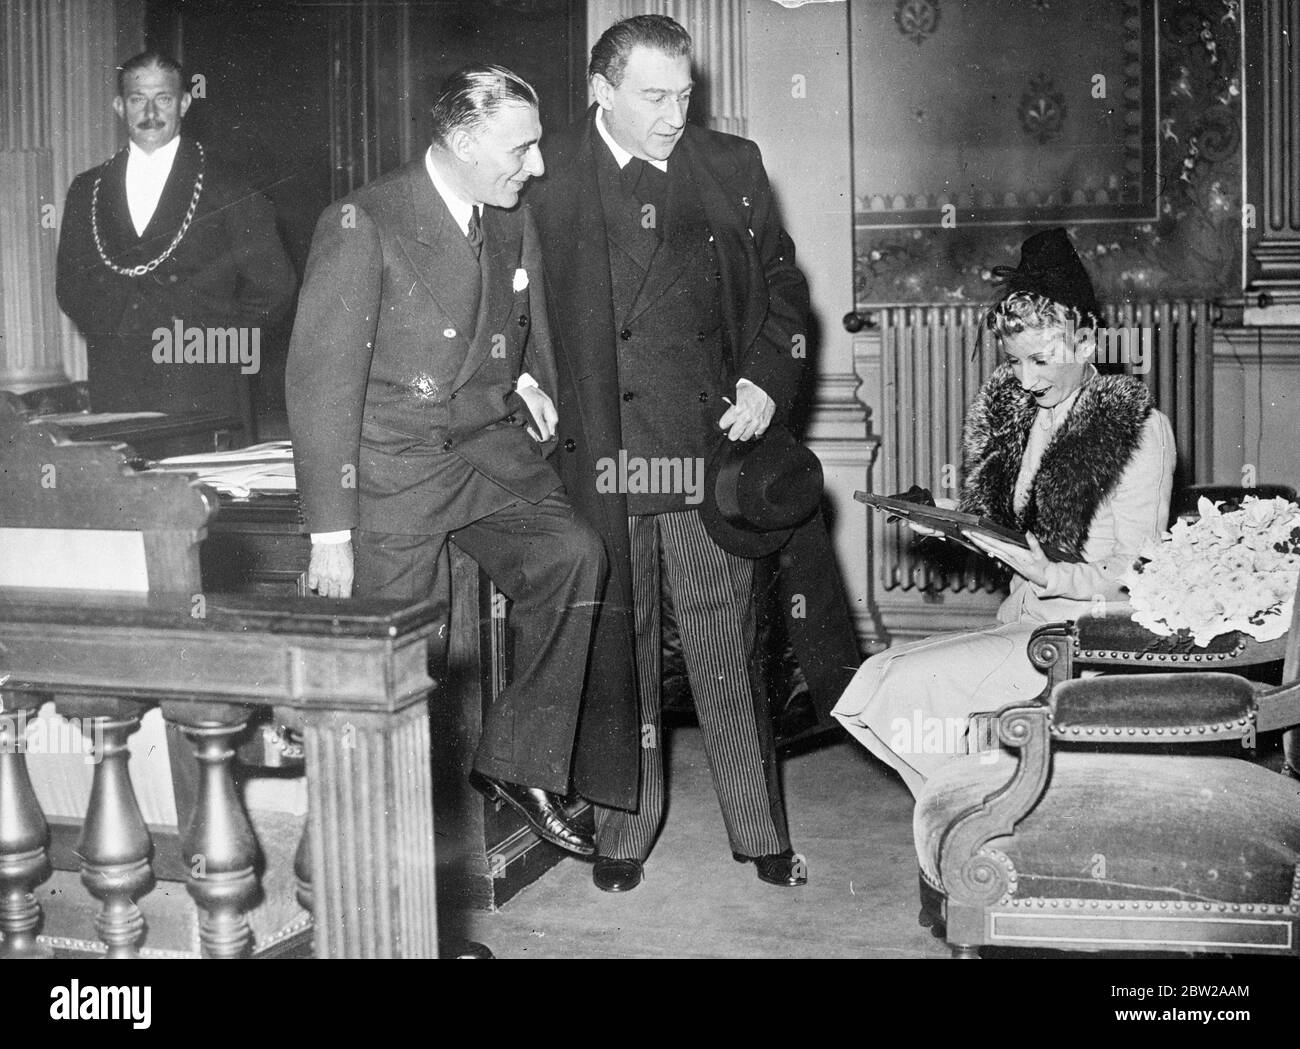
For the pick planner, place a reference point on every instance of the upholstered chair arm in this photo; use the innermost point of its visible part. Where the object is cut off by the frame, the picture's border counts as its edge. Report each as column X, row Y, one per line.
column 1114, row 640
column 970, row 874
column 1154, row 708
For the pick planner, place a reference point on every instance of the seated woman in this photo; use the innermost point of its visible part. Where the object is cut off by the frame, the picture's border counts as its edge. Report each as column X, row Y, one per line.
column 1080, row 461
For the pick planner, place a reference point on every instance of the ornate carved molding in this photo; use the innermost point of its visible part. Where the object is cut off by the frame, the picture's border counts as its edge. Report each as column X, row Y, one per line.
column 972, row 875
column 1273, row 148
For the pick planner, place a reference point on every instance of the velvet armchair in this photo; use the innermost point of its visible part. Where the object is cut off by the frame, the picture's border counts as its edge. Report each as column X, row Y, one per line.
column 1122, row 812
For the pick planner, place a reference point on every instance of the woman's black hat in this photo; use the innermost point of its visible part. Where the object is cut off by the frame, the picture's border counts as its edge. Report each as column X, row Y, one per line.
column 1049, row 266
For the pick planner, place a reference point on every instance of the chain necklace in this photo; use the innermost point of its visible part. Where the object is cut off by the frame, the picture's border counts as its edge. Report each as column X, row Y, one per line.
column 148, row 267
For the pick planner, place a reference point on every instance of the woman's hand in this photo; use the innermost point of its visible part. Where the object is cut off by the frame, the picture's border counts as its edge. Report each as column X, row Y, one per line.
column 1031, row 563
column 942, row 504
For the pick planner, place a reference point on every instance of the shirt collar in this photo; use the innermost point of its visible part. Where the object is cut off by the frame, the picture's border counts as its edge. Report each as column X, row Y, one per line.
column 461, row 210
column 161, row 158
column 621, row 155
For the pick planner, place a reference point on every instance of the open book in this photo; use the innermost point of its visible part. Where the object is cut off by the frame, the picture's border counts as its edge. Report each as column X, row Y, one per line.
column 952, row 523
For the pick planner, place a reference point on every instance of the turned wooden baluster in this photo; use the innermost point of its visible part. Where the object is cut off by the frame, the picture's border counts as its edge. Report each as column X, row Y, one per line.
column 115, row 846
column 291, row 722
column 218, row 845
column 24, row 833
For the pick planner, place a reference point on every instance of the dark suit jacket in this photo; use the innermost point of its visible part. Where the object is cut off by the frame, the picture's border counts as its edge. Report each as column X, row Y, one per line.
column 383, row 375
column 764, row 303
column 230, row 270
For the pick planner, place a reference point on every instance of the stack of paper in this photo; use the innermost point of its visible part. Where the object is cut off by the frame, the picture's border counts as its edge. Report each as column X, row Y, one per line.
column 240, row 472
column 95, row 418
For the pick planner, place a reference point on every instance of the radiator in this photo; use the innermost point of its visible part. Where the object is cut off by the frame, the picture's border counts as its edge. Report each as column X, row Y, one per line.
column 934, row 359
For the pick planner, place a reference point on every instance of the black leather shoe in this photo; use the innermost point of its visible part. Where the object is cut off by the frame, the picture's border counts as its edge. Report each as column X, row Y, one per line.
column 540, row 808
column 778, row 868
column 611, row 875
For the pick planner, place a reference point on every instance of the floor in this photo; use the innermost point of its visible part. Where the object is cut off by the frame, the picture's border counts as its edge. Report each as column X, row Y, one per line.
column 849, row 816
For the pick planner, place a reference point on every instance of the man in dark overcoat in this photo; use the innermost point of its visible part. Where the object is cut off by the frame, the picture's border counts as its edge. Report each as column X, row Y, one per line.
column 679, row 320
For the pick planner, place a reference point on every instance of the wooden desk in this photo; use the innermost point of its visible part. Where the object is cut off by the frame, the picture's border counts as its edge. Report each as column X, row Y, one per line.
column 486, row 852
column 158, row 438
column 256, row 547
column 149, row 642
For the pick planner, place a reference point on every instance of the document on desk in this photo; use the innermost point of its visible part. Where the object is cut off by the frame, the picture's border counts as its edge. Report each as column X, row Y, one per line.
column 240, row 472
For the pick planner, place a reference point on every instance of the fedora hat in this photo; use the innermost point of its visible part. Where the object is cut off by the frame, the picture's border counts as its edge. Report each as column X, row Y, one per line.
column 756, row 492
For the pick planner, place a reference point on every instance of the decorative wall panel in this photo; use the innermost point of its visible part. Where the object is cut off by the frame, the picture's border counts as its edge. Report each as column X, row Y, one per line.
column 975, row 124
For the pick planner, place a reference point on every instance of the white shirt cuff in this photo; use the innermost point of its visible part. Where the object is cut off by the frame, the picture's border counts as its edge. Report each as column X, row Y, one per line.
column 331, row 537
column 524, row 382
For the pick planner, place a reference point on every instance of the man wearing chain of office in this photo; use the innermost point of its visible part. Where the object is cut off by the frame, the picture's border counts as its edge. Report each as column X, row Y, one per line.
column 169, row 264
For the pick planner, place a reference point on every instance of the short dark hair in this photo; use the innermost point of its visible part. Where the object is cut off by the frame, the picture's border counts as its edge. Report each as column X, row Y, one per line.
column 148, row 60
column 609, row 55
column 472, row 94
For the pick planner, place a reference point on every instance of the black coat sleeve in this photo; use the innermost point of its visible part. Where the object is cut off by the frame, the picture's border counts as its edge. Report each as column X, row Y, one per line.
column 775, row 360
column 86, row 291
column 329, row 363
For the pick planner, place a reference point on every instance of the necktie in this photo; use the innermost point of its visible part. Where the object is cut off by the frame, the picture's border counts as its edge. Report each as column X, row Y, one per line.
column 475, row 233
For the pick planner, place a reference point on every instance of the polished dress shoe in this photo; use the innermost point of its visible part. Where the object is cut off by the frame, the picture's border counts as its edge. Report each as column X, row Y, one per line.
column 778, row 868
column 611, row 875
column 540, row 808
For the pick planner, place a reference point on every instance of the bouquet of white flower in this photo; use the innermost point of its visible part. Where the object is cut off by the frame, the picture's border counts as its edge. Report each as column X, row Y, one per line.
column 1225, row 572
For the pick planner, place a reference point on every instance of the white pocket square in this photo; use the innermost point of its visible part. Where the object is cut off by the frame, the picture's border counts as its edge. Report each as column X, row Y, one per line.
column 521, row 279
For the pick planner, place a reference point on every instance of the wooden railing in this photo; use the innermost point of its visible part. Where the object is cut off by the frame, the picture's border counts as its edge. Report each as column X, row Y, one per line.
column 352, row 674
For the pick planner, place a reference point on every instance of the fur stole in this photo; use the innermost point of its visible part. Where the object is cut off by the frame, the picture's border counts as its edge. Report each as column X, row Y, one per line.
column 1080, row 468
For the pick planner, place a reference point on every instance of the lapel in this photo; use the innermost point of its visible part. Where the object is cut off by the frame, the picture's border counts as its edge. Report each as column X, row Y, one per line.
column 115, row 224
column 177, row 192
column 439, row 253
column 502, row 240
column 743, row 285
column 578, row 289
column 675, row 249
column 624, row 238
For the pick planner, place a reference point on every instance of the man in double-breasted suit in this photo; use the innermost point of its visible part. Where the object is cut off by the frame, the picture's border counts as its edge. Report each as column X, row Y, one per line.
column 679, row 320
column 169, row 263
column 416, row 387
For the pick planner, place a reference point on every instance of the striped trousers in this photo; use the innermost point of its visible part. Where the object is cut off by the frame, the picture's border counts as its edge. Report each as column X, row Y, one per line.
column 712, row 595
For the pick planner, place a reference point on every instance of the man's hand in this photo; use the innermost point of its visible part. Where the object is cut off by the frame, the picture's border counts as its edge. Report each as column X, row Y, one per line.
column 545, row 417
column 330, row 571
column 749, row 415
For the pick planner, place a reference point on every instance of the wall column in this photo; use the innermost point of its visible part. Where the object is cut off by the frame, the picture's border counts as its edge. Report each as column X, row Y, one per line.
column 1273, row 155
column 56, row 119
column 798, row 102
